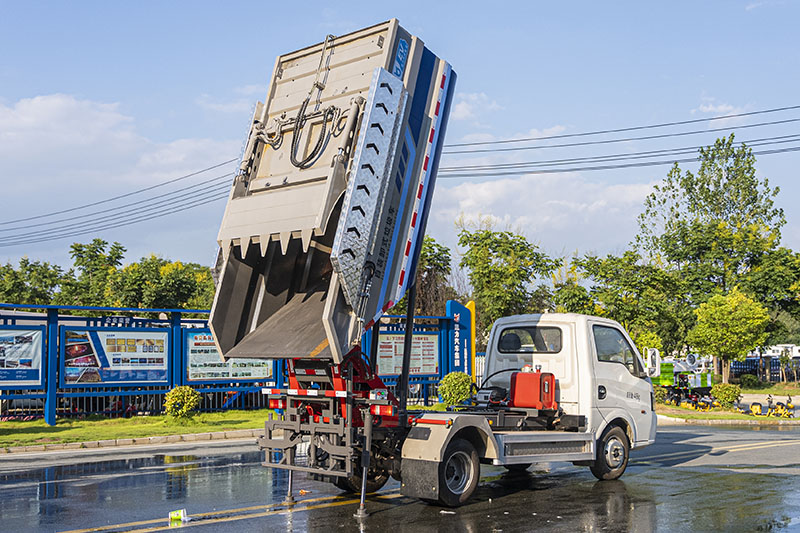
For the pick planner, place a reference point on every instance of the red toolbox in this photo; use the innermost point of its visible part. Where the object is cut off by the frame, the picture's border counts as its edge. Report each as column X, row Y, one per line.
column 533, row 390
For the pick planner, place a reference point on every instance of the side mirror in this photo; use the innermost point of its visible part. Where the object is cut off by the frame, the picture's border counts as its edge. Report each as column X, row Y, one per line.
column 653, row 362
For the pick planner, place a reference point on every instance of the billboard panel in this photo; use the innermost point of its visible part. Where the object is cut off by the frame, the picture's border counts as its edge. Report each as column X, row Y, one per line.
column 92, row 357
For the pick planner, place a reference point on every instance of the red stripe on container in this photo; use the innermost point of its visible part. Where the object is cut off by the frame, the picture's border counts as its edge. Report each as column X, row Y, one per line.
column 414, row 220
column 408, row 248
column 425, row 166
column 370, row 324
column 419, row 192
column 437, row 108
column 430, row 139
column 402, row 276
column 444, row 77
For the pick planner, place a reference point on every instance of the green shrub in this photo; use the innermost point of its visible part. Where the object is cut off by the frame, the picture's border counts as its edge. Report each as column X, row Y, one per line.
column 181, row 402
column 727, row 394
column 660, row 394
column 749, row 381
column 455, row 388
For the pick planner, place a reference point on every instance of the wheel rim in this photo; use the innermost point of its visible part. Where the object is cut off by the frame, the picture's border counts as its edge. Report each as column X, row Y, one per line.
column 458, row 472
column 614, row 452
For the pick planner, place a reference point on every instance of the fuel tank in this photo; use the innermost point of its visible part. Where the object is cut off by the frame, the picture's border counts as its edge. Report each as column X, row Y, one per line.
column 325, row 219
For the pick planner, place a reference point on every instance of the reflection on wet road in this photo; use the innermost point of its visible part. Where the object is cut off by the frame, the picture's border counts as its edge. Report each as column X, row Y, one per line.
column 693, row 479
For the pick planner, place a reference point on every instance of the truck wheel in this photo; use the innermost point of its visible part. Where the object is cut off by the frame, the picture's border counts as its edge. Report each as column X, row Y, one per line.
column 375, row 481
column 459, row 472
column 613, row 449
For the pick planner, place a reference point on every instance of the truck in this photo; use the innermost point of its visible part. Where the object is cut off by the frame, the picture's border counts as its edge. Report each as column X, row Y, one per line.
column 321, row 237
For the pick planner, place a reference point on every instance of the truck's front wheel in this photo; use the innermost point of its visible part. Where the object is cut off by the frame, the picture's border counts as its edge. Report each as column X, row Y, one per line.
column 613, row 449
column 459, row 472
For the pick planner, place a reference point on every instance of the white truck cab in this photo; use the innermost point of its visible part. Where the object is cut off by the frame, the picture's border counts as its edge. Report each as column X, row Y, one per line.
column 600, row 405
column 597, row 369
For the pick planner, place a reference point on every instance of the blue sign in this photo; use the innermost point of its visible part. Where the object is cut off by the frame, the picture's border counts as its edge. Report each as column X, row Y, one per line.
column 96, row 357
column 21, row 356
column 400, row 58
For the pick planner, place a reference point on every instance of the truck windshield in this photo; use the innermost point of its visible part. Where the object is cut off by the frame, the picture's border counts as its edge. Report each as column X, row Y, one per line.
column 530, row 339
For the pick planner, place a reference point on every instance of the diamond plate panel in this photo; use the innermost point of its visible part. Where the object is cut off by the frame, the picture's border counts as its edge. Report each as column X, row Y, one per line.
column 366, row 189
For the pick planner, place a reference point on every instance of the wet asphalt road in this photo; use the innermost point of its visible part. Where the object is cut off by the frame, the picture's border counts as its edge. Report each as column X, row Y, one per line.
column 694, row 479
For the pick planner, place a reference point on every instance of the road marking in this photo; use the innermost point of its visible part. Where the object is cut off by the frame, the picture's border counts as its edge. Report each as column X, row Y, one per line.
column 301, row 505
column 733, row 449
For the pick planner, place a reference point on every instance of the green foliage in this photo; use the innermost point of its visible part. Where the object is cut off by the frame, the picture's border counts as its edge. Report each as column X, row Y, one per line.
column 728, row 327
column 181, row 402
column 642, row 297
column 96, row 279
column 501, row 266
column 569, row 296
column 157, row 282
column 749, row 381
column 95, row 264
column 660, row 394
column 726, row 393
column 647, row 339
column 433, row 288
column 33, row 282
column 455, row 388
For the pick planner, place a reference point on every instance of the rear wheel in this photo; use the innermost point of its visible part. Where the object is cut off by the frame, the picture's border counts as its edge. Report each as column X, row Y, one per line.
column 613, row 449
column 458, row 473
column 375, row 481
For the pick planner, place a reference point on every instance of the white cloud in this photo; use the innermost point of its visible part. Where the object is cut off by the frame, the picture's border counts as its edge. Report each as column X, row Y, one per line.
column 716, row 108
column 472, row 105
column 558, row 211
column 58, row 151
column 238, row 105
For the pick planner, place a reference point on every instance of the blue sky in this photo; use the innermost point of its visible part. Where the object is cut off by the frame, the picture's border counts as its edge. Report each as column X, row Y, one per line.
column 99, row 98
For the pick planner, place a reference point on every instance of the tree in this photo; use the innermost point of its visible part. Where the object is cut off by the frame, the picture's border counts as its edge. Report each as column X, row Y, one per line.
column 94, row 266
column 33, row 282
column 728, row 327
column 569, row 296
column 715, row 226
column 645, row 299
column 159, row 283
column 433, row 287
column 501, row 267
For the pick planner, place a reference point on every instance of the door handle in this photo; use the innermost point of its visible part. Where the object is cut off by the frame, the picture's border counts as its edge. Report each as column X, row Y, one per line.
column 601, row 392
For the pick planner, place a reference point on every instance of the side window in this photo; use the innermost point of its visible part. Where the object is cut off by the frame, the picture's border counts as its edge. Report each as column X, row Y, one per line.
column 612, row 347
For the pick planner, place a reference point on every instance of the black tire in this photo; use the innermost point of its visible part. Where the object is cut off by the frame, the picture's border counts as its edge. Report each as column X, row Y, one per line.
column 518, row 468
column 375, row 481
column 613, row 451
column 459, row 472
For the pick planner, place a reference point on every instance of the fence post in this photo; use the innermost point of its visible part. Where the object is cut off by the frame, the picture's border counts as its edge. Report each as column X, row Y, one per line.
column 178, row 372
column 51, row 379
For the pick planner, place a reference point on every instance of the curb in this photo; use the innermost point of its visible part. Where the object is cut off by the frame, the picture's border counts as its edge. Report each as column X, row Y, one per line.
column 161, row 439
column 669, row 420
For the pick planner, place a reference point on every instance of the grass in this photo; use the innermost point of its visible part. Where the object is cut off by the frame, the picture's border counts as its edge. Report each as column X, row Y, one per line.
column 714, row 414
column 101, row 428
column 777, row 389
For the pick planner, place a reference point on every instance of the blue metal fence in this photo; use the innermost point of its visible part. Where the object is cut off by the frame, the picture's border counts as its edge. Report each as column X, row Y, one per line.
column 122, row 364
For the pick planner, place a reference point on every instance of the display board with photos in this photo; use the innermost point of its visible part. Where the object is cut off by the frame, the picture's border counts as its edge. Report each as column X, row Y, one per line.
column 21, row 356
column 114, row 356
column 204, row 362
column 424, row 353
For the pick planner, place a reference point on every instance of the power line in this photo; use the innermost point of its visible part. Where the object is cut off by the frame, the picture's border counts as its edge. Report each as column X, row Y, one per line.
column 84, row 223
column 116, row 208
column 92, row 204
column 121, row 224
column 626, row 139
column 603, row 167
column 631, row 128
column 782, row 139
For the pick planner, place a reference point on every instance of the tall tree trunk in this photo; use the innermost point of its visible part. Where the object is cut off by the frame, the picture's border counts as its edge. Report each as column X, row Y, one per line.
column 726, row 370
